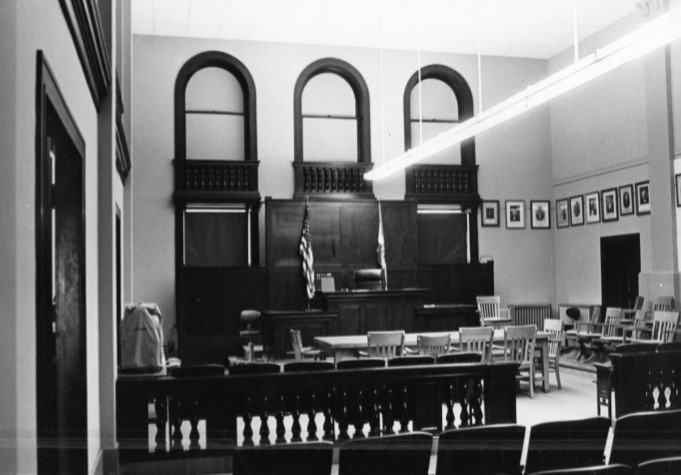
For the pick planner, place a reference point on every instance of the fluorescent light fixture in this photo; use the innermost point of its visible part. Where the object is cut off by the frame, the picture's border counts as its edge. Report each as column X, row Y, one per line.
column 650, row 36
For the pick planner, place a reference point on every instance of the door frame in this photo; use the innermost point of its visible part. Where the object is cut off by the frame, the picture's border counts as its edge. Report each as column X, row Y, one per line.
column 633, row 238
column 49, row 94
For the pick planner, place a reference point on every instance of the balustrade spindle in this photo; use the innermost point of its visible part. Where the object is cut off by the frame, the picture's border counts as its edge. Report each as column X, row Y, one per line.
column 264, row 428
column 404, row 416
column 295, row 427
column 359, row 416
column 450, row 398
column 279, row 417
column 247, row 418
column 342, row 416
column 388, row 411
column 375, row 417
column 194, row 436
column 328, row 418
column 311, row 423
column 161, row 408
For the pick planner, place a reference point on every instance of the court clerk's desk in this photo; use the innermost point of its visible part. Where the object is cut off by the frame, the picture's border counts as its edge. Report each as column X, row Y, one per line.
column 360, row 311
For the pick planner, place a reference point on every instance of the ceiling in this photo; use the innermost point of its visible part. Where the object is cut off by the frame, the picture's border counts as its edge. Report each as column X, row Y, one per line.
column 520, row 28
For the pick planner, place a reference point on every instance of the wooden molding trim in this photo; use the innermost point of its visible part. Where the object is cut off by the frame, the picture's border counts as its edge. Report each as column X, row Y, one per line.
column 84, row 22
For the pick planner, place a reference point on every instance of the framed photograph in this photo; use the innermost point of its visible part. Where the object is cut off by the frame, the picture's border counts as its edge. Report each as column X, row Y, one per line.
column 593, row 207
column 626, row 200
column 577, row 210
column 490, row 213
column 562, row 215
column 678, row 190
column 609, row 205
column 541, row 214
column 643, row 197
column 515, row 214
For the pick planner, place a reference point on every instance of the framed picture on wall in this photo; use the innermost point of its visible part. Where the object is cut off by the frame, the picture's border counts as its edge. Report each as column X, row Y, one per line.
column 577, row 210
column 490, row 213
column 626, row 200
column 515, row 214
column 593, row 207
column 562, row 216
column 541, row 215
column 609, row 204
column 643, row 197
column 678, row 190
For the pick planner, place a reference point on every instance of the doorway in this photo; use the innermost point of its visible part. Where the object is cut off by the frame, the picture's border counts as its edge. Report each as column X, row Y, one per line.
column 620, row 267
column 60, row 283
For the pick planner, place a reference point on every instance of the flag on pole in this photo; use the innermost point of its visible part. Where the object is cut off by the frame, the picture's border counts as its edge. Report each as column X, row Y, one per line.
column 305, row 250
column 381, row 248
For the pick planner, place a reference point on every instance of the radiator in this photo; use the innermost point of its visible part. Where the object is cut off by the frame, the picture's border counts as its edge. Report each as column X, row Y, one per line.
column 584, row 313
column 530, row 314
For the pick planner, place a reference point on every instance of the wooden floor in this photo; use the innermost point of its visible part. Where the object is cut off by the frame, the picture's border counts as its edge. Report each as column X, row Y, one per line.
column 576, row 400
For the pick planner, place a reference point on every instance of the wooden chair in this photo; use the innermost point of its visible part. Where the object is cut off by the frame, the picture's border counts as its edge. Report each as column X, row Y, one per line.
column 433, row 345
column 663, row 304
column 664, row 327
column 609, row 328
column 385, row 344
column 664, row 466
column 294, row 458
column 387, row 455
column 582, row 328
column 482, row 450
column 490, row 311
column 644, row 436
column 460, row 357
column 411, row 360
column 616, row 469
column 604, row 376
column 519, row 347
column 555, row 327
column 478, row 340
column 361, row 363
column 567, row 444
column 299, row 351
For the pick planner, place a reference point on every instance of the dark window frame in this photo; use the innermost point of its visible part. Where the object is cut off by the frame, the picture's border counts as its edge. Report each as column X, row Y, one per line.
column 464, row 97
column 359, row 87
column 229, row 63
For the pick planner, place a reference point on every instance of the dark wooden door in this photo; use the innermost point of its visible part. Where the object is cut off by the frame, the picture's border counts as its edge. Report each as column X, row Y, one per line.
column 60, row 234
column 620, row 266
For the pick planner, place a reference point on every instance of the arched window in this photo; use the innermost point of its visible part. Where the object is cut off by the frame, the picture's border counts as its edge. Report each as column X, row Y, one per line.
column 441, row 100
column 216, row 173
column 446, row 187
column 215, row 116
column 331, row 113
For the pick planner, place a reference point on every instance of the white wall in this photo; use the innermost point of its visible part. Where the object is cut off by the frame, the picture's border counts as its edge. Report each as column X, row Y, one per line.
column 507, row 155
column 26, row 27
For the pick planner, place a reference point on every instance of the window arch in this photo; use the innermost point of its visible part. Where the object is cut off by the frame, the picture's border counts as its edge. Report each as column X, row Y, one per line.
column 201, row 64
column 464, row 100
column 361, row 104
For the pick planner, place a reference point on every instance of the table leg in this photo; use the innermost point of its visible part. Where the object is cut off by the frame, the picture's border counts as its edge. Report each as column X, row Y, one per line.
column 545, row 365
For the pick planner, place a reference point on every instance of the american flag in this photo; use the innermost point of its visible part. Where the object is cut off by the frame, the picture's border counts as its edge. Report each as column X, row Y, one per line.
column 381, row 248
column 305, row 250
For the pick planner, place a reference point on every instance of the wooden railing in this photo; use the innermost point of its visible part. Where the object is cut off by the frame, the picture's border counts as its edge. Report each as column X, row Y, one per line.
column 215, row 178
column 332, row 180
column 647, row 381
column 455, row 183
column 387, row 400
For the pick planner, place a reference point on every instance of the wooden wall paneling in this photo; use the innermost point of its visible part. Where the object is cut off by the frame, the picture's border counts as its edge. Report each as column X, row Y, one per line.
column 284, row 221
column 359, row 234
column 325, row 231
column 399, row 231
column 457, row 283
column 209, row 307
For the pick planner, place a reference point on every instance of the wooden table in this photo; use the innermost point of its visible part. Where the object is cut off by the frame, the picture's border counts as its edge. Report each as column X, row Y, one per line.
column 336, row 345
